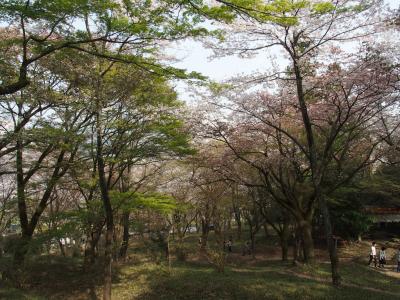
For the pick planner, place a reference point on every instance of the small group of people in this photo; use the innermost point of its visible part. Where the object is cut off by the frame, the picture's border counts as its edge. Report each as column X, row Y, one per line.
column 380, row 259
column 246, row 250
column 374, row 258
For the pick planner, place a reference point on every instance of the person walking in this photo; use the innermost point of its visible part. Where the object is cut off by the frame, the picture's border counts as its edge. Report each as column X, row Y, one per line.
column 372, row 254
column 382, row 257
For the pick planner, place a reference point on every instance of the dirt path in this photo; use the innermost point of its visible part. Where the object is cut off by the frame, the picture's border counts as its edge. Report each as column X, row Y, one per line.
column 327, row 281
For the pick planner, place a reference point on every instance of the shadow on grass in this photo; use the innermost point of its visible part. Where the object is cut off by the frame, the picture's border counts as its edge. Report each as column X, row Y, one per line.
column 63, row 278
column 55, row 277
column 245, row 283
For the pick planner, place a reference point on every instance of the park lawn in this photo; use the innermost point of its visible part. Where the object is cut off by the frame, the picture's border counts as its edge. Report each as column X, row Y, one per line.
column 62, row 278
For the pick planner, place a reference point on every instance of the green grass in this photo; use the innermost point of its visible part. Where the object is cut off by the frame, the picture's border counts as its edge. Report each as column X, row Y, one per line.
column 271, row 281
column 54, row 277
column 190, row 280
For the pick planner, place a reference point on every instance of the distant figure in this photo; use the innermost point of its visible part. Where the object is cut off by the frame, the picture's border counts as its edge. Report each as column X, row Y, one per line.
column 246, row 248
column 398, row 260
column 382, row 257
column 372, row 255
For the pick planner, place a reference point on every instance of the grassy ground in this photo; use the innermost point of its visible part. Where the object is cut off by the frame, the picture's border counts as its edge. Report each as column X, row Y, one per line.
column 244, row 278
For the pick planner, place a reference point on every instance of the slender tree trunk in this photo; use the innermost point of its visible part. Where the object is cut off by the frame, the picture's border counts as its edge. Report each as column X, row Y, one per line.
column 197, row 225
column 205, row 229
column 237, row 213
column 295, row 249
column 336, row 279
column 125, row 235
column 108, row 264
column 252, row 240
column 22, row 248
column 239, row 228
column 61, row 248
column 169, row 251
column 107, row 210
column 125, row 217
column 284, row 240
column 220, row 261
column 285, row 248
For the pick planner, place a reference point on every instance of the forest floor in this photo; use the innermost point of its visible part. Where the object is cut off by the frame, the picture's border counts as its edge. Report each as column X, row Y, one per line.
column 265, row 277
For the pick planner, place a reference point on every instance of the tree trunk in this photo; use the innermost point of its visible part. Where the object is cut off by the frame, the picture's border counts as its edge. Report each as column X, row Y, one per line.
column 296, row 245
column 196, row 222
column 252, row 239
column 284, row 240
column 308, row 243
column 23, row 244
column 239, row 229
column 90, row 249
column 236, row 213
column 108, row 264
column 205, row 228
column 336, row 279
column 107, row 210
column 295, row 249
column 168, row 250
column 21, row 250
column 125, row 235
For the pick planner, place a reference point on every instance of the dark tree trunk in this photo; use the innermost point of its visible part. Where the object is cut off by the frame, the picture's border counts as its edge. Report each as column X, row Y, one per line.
column 107, row 211
column 205, row 229
column 308, row 242
column 108, row 265
column 296, row 245
column 252, row 240
column 284, row 240
column 90, row 250
column 22, row 247
column 285, row 249
column 61, row 248
column 336, row 279
column 21, row 250
column 125, row 235
column 239, row 229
